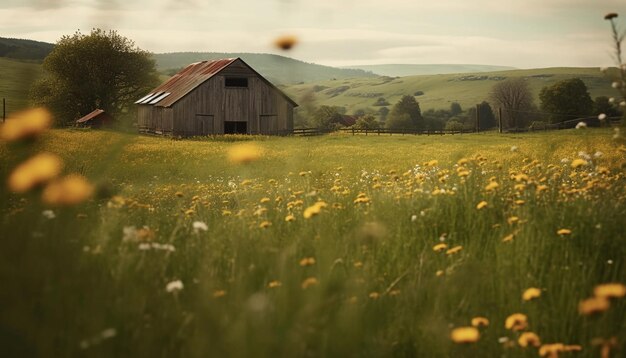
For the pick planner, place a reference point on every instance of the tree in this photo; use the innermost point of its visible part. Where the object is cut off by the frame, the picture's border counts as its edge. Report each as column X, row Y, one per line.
column 567, row 99
column 487, row 118
column 405, row 114
column 603, row 104
column 327, row 117
column 455, row 109
column 366, row 122
column 382, row 113
column 101, row 70
column 514, row 97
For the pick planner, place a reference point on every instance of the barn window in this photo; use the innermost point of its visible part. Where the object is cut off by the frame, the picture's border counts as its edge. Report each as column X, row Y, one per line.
column 236, row 82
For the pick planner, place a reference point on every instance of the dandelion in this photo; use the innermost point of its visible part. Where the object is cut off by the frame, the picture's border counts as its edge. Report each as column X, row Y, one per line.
column 307, row 261
column 439, row 273
column 244, row 153
column 480, row 322
column 432, row 163
column 274, row 284
column 290, row 218
column 529, row 339
column 27, row 124
column 593, row 305
column 374, row 295
column 581, row 125
column 508, row 238
column 37, row 170
column 610, row 290
column 219, row 293
column 516, row 322
column 492, row 186
column 564, row 232
column 465, row 335
column 199, row 226
column 454, row 250
column 440, row 247
column 309, row 282
column 174, row 286
column 577, row 163
column 551, row 350
column 512, row 220
column 482, row 204
column 286, row 42
column 265, row 224
column 531, row 293
column 70, row 190
column 312, row 211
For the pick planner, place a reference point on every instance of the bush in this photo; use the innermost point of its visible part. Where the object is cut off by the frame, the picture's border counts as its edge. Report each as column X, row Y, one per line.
column 454, row 126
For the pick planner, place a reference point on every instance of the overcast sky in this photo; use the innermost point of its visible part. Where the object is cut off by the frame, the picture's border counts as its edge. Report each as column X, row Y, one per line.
column 519, row 33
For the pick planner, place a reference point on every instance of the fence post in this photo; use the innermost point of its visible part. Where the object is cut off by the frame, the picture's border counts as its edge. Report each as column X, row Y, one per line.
column 4, row 109
column 500, row 119
column 378, row 131
column 477, row 118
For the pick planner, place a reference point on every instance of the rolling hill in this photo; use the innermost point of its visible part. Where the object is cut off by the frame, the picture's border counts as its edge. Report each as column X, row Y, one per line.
column 17, row 76
column 439, row 91
column 278, row 69
column 402, row 70
column 24, row 49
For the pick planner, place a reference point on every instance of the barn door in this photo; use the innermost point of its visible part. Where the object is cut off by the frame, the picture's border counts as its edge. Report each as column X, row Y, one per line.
column 268, row 124
column 204, row 124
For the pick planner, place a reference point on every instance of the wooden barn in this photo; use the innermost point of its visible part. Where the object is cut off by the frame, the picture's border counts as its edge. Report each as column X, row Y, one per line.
column 96, row 119
column 216, row 97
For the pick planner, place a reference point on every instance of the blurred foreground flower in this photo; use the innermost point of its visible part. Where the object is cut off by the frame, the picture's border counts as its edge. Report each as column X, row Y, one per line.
column 610, row 16
column 244, row 153
column 480, row 322
column 610, row 290
column 531, row 294
column 70, row 190
column 529, row 339
column 516, row 322
column 174, row 286
column 37, row 170
column 464, row 335
column 199, row 226
column 286, row 42
column 26, row 124
column 593, row 305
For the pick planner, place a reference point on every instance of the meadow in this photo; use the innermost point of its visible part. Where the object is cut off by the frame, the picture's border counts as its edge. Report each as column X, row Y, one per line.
column 335, row 245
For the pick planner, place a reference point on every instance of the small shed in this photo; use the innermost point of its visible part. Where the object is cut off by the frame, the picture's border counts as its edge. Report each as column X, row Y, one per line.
column 96, row 119
column 222, row 96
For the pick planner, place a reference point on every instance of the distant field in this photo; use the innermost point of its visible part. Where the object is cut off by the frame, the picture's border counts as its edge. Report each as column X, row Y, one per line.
column 402, row 70
column 332, row 246
column 15, row 79
column 440, row 91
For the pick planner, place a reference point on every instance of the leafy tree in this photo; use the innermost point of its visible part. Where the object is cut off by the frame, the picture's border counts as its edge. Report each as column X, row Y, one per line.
column 405, row 114
column 100, row 70
column 455, row 109
column 327, row 117
column 602, row 104
column 487, row 118
column 514, row 97
column 566, row 99
column 453, row 125
column 382, row 113
column 366, row 122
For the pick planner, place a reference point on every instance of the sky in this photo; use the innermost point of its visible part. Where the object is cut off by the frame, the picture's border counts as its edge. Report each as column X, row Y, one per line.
column 518, row 33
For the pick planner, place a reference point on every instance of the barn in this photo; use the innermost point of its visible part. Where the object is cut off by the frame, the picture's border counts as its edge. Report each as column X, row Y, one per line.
column 96, row 119
column 222, row 96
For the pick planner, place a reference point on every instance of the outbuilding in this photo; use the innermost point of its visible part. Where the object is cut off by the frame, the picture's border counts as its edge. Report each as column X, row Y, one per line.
column 96, row 119
column 222, row 96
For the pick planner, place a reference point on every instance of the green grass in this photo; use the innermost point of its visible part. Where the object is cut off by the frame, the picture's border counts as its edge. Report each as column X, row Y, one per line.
column 69, row 282
column 441, row 90
column 15, row 81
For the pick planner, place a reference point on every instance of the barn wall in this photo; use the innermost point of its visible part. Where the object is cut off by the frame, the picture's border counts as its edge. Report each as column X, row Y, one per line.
column 153, row 119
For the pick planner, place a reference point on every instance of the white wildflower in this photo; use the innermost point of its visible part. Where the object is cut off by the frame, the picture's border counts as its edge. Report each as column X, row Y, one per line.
column 503, row 340
column 130, row 233
column 598, row 154
column 422, row 213
column 108, row 333
column 174, row 286
column 584, row 155
column 413, row 218
column 199, row 226
column 612, row 100
column 602, row 116
column 514, row 148
column 581, row 125
column 48, row 214
column 616, row 85
column 564, row 161
column 622, row 104
column 144, row 246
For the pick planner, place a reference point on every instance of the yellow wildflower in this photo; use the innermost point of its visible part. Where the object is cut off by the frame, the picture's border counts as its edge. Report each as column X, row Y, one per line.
column 531, row 293
column 464, row 335
column 219, row 293
column 290, row 218
column 264, row 200
column 309, row 282
column 274, row 284
column 551, row 350
column 593, row 305
column 492, row 186
column 244, row 153
column 516, row 322
column 480, row 322
column 512, row 220
column 440, row 247
column 529, row 339
column 70, row 190
column 563, row 232
column 374, row 295
column 307, row 261
column 508, row 238
column 26, row 124
column 482, row 204
column 610, row 290
column 36, row 170
column 314, row 209
column 577, row 163
column 454, row 250
column 265, row 224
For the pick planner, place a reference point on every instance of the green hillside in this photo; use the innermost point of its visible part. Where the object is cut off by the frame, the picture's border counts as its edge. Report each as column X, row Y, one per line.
column 441, row 90
column 402, row 70
column 24, row 49
column 17, row 76
column 278, row 69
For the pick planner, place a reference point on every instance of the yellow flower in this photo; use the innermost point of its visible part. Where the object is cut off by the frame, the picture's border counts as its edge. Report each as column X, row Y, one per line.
column 512, row 220
column 465, row 335
column 482, row 204
column 593, row 305
column 551, row 350
column 274, row 284
column 36, row 170
column 226, row 212
column 480, row 322
column 529, row 339
column 393, row 293
column 439, row 273
column 440, row 247
column 432, row 163
column 264, row 200
column 244, row 153
column 265, row 224
column 610, row 290
column 219, row 293
column 516, row 322
column 179, row 194
column 563, row 232
column 577, row 163
column 307, row 261
column 70, row 190
column 492, row 186
column 374, row 295
column 309, row 282
column 26, row 124
column 454, row 250
column 531, row 293
column 290, row 218
column 508, row 238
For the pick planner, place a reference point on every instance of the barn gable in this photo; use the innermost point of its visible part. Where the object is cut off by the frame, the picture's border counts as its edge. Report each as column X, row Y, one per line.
column 216, row 97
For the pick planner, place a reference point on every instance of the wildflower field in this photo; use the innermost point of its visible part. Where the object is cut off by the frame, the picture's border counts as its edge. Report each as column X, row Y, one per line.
column 479, row 245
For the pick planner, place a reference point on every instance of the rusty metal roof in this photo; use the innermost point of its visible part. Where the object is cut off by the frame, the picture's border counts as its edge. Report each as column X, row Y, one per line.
column 188, row 79
column 90, row 116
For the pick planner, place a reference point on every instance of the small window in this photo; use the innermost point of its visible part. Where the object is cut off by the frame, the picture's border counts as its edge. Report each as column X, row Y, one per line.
column 236, row 82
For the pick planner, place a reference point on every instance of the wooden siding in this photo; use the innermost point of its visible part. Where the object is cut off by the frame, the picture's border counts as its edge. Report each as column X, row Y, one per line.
column 155, row 119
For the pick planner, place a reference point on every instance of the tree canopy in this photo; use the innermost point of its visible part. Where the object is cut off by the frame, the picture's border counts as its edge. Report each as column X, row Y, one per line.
column 101, row 70
column 514, row 97
column 405, row 114
column 567, row 99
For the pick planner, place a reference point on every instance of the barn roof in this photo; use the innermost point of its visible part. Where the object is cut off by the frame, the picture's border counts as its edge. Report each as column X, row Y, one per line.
column 90, row 116
column 190, row 77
